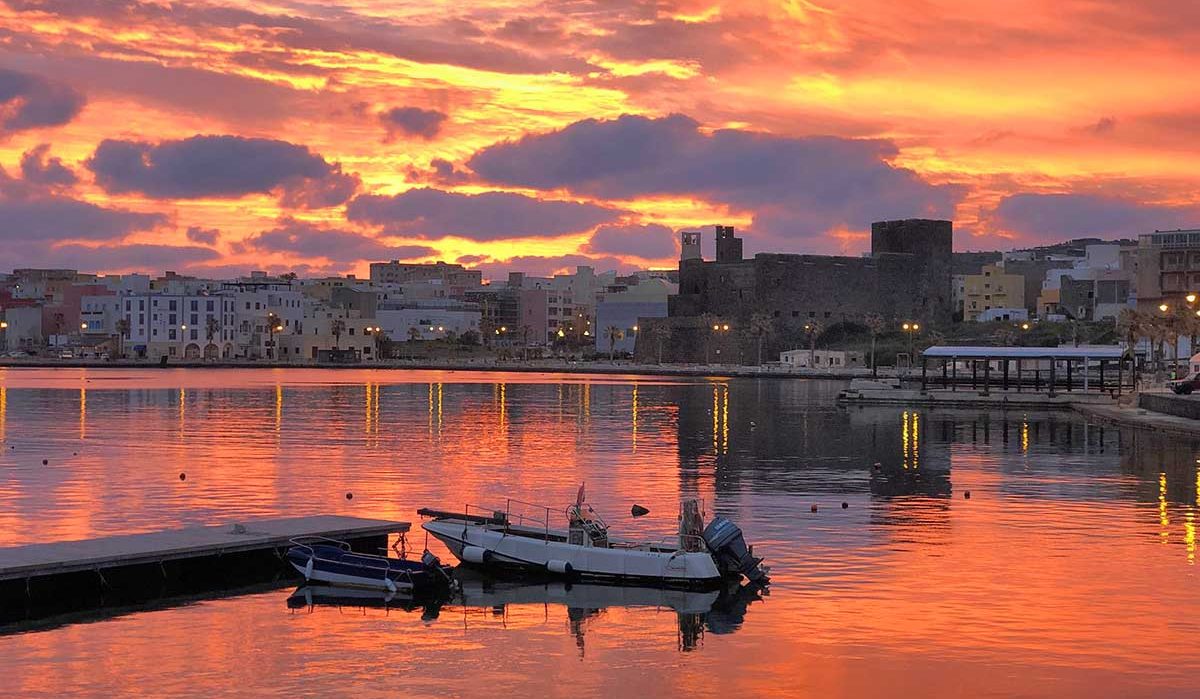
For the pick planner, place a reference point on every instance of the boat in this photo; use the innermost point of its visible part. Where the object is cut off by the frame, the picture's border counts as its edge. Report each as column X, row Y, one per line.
column 329, row 561
column 701, row 556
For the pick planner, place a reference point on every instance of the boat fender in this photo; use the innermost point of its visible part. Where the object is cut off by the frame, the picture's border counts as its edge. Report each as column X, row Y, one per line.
column 391, row 586
column 308, row 568
column 476, row 554
column 559, row 567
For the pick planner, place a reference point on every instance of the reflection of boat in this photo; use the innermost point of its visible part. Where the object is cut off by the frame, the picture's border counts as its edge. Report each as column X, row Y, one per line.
column 310, row 596
column 698, row 611
column 700, row 557
column 332, row 562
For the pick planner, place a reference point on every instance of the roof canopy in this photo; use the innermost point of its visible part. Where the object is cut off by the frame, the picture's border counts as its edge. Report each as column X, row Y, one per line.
column 976, row 352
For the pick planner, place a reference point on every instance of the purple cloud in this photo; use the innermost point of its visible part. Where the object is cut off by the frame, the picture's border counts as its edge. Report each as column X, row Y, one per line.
column 796, row 187
column 433, row 213
column 307, row 240
column 32, row 214
column 39, row 170
column 412, row 121
column 1057, row 216
column 649, row 242
column 221, row 167
column 207, row 236
column 29, row 101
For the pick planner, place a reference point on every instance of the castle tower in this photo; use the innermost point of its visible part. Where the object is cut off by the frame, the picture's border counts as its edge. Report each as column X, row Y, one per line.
column 689, row 248
column 729, row 247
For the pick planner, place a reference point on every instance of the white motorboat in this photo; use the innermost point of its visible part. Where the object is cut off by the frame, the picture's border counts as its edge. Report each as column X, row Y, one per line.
column 515, row 539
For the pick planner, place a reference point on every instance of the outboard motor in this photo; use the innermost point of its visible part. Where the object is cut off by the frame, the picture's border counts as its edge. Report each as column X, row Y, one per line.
column 728, row 546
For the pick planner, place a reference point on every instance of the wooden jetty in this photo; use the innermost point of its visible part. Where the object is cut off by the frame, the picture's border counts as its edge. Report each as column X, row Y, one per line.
column 143, row 566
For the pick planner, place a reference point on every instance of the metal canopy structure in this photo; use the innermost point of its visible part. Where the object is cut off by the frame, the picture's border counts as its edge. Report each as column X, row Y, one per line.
column 1081, row 352
column 1095, row 368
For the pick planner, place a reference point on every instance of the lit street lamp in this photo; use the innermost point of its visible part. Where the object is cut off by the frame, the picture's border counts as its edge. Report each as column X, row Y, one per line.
column 912, row 329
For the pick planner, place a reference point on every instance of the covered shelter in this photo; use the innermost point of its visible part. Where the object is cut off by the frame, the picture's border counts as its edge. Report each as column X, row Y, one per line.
column 1086, row 368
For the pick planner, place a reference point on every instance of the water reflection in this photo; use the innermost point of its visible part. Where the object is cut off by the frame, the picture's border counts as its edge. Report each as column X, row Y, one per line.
column 478, row 599
column 1074, row 557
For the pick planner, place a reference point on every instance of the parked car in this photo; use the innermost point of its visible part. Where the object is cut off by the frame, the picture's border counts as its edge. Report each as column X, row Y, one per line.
column 1187, row 384
column 66, row 354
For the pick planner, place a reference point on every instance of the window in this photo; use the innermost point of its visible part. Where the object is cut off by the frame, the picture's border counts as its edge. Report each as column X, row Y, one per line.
column 195, row 319
column 209, row 306
column 171, row 334
column 171, row 351
column 351, row 332
column 172, row 306
column 195, row 305
column 828, row 314
column 173, row 319
column 194, row 332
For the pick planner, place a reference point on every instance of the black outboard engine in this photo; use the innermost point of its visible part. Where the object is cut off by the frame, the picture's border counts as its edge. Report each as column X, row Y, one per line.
column 728, row 547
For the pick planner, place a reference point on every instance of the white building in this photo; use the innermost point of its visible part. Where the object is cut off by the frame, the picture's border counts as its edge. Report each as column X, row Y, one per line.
column 427, row 319
column 821, row 359
column 323, row 329
column 179, row 326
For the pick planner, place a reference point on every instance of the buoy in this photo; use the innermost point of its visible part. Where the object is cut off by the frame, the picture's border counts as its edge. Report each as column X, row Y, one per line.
column 349, row 496
column 814, row 508
column 877, row 465
column 45, row 462
column 967, row 495
column 183, row 476
column 74, row 453
column 638, row 511
column 845, row 505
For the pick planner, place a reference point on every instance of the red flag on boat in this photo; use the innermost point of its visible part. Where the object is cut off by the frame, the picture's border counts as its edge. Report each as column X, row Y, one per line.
column 579, row 495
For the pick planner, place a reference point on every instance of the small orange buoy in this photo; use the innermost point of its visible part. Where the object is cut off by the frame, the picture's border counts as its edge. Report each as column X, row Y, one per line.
column 349, row 496
column 183, row 476
column 967, row 495
column 845, row 505
column 45, row 462
column 814, row 508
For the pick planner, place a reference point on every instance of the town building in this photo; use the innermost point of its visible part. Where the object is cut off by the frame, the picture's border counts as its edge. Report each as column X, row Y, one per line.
column 330, row 334
column 1096, row 287
column 625, row 308
column 179, row 326
column 1168, row 268
column 991, row 288
column 429, row 319
column 455, row 279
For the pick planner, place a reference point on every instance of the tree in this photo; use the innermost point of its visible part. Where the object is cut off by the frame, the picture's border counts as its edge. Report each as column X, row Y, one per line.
column 613, row 333
column 122, row 335
column 211, row 327
column 761, row 326
column 813, row 328
column 272, row 327
column 382, row 345
column 660, row 333
column 711, row 323
column 876, row 324
column 336, row 328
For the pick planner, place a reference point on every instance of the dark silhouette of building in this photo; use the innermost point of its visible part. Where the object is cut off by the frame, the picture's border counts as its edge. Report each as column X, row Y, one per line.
column 906, row 277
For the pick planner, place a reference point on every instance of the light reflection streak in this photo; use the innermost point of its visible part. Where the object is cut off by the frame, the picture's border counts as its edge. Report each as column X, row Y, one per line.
column 1025, row 435
column 1163, row 520
column 634, row 414
column 278, row 409
column 4, row 412
column 82, row 412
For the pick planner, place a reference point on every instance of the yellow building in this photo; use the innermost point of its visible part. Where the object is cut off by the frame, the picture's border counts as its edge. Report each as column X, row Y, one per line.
column 989, row 289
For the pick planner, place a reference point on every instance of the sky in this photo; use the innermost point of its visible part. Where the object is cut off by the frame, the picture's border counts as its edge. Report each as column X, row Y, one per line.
column 217, row 137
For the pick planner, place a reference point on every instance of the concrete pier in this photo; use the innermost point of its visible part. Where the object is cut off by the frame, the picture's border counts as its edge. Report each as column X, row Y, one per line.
column 37, row 579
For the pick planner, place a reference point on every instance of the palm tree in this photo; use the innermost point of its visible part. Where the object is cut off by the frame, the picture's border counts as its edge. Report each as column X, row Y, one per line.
column 381, row 344
column 813, row 328
column 211, row 328
column 336, row 328
column 122, row 334
column 660, row 333
column 711, row 321
column 876, row 324
column 761, row 326
column 613, row 333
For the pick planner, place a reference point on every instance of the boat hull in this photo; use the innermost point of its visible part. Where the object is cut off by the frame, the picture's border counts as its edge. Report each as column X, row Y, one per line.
column 494, row 548
column 344, row 569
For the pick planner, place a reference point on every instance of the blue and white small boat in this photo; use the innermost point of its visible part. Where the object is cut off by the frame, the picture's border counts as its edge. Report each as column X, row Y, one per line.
column 332, row 562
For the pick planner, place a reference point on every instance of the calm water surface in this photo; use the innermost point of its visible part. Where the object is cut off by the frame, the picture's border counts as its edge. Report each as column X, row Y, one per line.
column 1070, row 570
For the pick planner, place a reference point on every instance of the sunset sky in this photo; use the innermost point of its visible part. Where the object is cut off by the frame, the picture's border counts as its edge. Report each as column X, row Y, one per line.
column 219, row 137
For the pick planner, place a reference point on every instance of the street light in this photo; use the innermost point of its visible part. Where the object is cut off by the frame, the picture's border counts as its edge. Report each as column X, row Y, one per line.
column 83, row 326
column 1164, row 308
column 1191, row 298
column 1024, row 326
column 911, row 329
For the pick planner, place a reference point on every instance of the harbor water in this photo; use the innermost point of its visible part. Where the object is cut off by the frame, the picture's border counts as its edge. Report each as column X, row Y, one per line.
column 913, row 552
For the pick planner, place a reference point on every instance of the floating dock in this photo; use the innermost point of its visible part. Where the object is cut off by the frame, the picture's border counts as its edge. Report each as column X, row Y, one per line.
column 67, row 575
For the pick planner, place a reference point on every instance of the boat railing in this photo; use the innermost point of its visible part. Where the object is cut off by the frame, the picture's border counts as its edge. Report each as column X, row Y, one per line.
column 673, row 543
column 306, row 542
column 528, row 520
